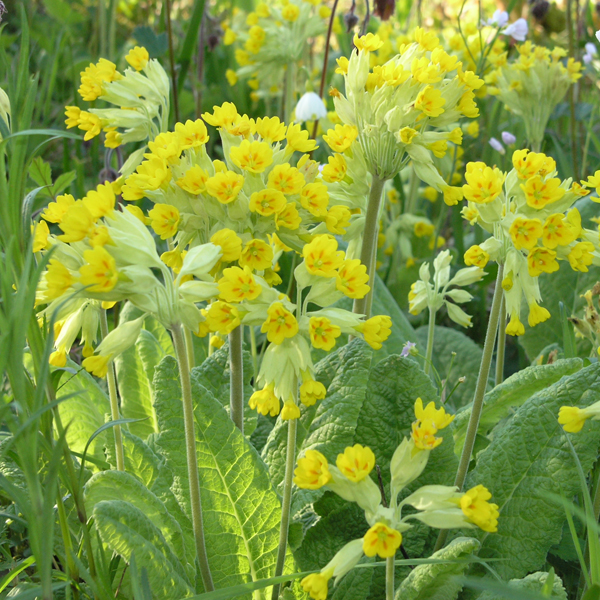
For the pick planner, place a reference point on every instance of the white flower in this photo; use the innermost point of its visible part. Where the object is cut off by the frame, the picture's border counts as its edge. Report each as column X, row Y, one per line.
column 310, row 107
column 591, row 49
column 517, row 30
column 499, row 19
column 508, row 138
column 598, row 35
column 587, row 58
column 497, row 145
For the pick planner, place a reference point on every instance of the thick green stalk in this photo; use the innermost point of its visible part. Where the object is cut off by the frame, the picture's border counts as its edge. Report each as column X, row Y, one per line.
column 482, row 379
column 430, row 338
column 501, row 349
column 290, row 86
column 192, row 458
column 172, row 59
column 111, row 381
column 389, row 578
column 189, row 348
column 290, row 460
column 102, row 37
column 369, row 245
column 236, row 378
column 254, row 350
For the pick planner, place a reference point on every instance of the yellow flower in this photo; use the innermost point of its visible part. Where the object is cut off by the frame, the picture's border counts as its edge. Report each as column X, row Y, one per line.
column 97, row 365
column 478, row 510
column 335, row 169
column 369, row 43
column 381, row 540
column 322, row 257
column 173, row 259
column 73, row 114
column 253, row 157
column 257, row 255
column 223, row 116
column 230, row 244
column 194, row 180
column 238, row 284
column 484, row 184
column 356, row 462
column 537, row 314
column 312, row 471
column 267, row 202
column 229, row 37
column 93, row 78
column 581, row 257
column 288, row 217
column 290, row 12
column 286, row 179
column 101, row 201
column 341, row 137
column 90, row 123
column 515, row 327
column 311, row 391
column 100, row 272
column 525, row 232
column 337, row 219
column 265, row 401
column 77, row 224
column 376, row 330
column 191, row 135
column 438, row 416
column 473, row 129
column 40, row 236
column 58, row 358
column 315, row 585
column 138, row 58
column 352, row 278
column 430, row 102
column 322, row 333
column 225, row 186
column 426, row 39
column 165, row 219
column 476, row 256
column 315, row 198
column 467, row 105
column 452, row 195
column 222, row 317
column 423, row 229
column 280, row 324
column 290, row 411
column 271, row 130
column 230, row 74
column 56, row 210
column 423, row 435
column 298, row 139
column 541, row 260
column 538, row 193
column 342, row 68
column 526, row 163
column 216, row 341
column 58, row 280
column 572, row 418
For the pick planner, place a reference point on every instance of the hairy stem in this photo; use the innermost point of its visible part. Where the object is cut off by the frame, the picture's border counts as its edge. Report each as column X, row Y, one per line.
column 189, row 348
column 369, row 245
column 236, row 378
column 430, row 338
column 482, row 379
column 172, row 59
column 389, row 578
column 501, row 349
column 192, row 459
column 114, row 400
column 290, row 460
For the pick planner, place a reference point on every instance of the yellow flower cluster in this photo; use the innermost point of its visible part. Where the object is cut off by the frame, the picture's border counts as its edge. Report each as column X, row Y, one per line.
column 437, row 506
column 533, row 224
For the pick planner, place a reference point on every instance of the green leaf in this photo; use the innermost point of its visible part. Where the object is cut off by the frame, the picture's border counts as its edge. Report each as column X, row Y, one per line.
column 593, row 593
column 241, row 510
column 438, row 582
column 135, row 371
column 40, row 171
column 140, row 460
column 117, row 485
column 511, row 394
column 529, row 458
column 63, row 181
column 534, row 583
column 564, row 286
column 84, row 412
column 155, row 44
column 353, row 586
column 126, row 530
column 464, row 364
column 214, row 375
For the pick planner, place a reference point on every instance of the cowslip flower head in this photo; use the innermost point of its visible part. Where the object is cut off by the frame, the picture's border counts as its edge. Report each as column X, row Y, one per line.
column 573, row 418
column 312, row 471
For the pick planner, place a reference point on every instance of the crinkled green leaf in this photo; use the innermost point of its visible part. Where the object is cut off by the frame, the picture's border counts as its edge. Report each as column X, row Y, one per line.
column 353, row 586
column 241, row 510
column 437, row 582
column 465, row 364
column 533, row 583
column 126, row 530
column 528, row 458
column 511, row 394
column 214, row 375
column 118, row 485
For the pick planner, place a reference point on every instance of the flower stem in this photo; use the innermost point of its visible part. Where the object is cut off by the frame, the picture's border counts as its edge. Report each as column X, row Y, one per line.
column 389, row 578
column 113, row 398
column 501, row 349
column 430, row 338
column 189, row 348
column 482, row 379
column 172, row 59
column 192, row 459
column 369, row 245
column 290, row 459
column 236, row 378
column 290, row 85
column 254, row 351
